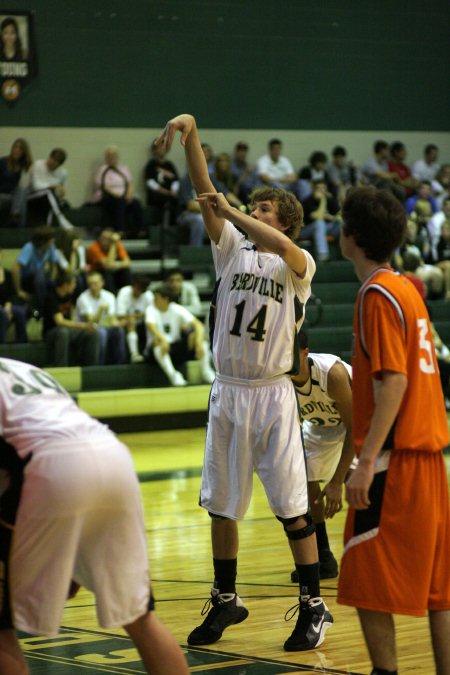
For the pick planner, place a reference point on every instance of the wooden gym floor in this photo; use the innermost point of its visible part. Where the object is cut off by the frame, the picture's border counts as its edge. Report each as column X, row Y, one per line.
column 169, row 464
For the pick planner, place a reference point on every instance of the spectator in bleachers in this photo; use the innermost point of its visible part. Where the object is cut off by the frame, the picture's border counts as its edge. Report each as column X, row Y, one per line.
column 108, row 256
column 243, row 172
column 375, row 171
column 411, row 262
column 322, row 219
column 13, row 169
column 132, row 303
column 114, row 191
column 35, row 267
column 209, row 156
column 223, row 180
column 184, row 292
column 316, row 169
column 411, row 249
column 162, row 184
column 190, row 216
column 72, row 257
column 275, row 169
column 175, row 336
column 341, row 172
column 435, row 225
column 71, row 341
column 441, row 185
column 98, row 306
column 396, row 164
column 427, row 168
column 47, row 191
column 420, row 207
column 443, row 255
column 11, row 312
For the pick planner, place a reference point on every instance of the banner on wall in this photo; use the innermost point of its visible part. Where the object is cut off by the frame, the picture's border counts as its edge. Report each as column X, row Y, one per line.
column 18, row 62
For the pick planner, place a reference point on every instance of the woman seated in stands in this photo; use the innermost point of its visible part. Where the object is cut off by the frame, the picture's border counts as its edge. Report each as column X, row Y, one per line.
column 114, row 190
column 13, row 168
column 223, row 180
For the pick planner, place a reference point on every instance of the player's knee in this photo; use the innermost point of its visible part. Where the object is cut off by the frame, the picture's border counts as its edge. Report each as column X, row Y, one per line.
column 299, row 532
column 215, row 516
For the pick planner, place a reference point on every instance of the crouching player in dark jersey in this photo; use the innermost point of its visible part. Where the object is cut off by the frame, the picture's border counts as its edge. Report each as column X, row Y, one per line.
column 79, row 517
column 324, row 392
column 397, row 534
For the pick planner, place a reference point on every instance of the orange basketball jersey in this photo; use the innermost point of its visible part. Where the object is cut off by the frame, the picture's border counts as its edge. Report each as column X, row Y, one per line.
column 392, row 332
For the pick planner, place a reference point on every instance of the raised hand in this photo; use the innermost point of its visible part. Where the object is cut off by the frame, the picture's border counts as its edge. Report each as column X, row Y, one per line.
column 183, row 123
column 216, row 201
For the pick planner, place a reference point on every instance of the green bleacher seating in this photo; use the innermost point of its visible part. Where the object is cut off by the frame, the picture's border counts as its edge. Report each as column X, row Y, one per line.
column 35, row 353
column 342, row 292
column 330, row 340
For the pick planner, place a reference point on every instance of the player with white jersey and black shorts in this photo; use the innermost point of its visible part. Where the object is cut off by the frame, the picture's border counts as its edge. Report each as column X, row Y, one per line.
column 263, row 283
column 79, row 518
column 324, row 392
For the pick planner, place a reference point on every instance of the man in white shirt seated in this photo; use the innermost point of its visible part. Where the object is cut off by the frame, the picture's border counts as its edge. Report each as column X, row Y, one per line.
column 99, row 307
column 275, row 169
column 427, row 168
column 132, row 303
column 175, row 336
column 47, row 183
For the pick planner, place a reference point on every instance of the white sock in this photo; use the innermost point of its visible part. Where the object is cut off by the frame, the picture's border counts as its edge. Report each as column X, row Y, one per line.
column 132, row 342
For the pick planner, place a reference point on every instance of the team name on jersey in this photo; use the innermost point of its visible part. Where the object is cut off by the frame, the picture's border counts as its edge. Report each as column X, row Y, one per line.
column 256, row 284
column 317, row 406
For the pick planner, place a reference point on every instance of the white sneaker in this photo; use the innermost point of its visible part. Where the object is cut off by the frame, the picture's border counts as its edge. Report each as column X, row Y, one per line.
column 208, row 375
column 136, row 358
column 177, row 380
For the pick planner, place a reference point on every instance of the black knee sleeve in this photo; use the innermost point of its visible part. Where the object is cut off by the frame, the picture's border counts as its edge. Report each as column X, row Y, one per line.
column 303, row 532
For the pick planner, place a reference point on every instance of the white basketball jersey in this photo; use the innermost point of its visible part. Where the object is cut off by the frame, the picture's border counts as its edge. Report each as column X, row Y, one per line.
column 317, row 408
column 53, row 418
column 257, row 309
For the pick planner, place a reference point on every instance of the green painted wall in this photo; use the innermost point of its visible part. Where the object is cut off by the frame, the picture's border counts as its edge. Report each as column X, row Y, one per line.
column 254, row 64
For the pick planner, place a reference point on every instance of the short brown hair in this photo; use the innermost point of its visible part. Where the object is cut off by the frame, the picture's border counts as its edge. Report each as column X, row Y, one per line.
column 290, row 211
column 376, row 220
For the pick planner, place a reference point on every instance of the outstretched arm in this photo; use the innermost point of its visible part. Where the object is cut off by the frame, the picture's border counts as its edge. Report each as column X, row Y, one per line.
column 197, row 166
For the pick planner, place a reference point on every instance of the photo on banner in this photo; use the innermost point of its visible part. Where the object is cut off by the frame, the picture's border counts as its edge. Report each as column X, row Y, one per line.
column 18, row 60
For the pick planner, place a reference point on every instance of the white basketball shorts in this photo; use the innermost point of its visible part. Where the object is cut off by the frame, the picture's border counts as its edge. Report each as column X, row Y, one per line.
column 253, row 426
column 80, row 517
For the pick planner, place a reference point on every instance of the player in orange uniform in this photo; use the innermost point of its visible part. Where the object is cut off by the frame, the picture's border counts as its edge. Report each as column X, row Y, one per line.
column 397, row 535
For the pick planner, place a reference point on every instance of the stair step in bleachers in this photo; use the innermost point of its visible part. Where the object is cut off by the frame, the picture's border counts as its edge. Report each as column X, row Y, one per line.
column 328, row 340
column 329, row 315
column 335, row 271
column 342, row 292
